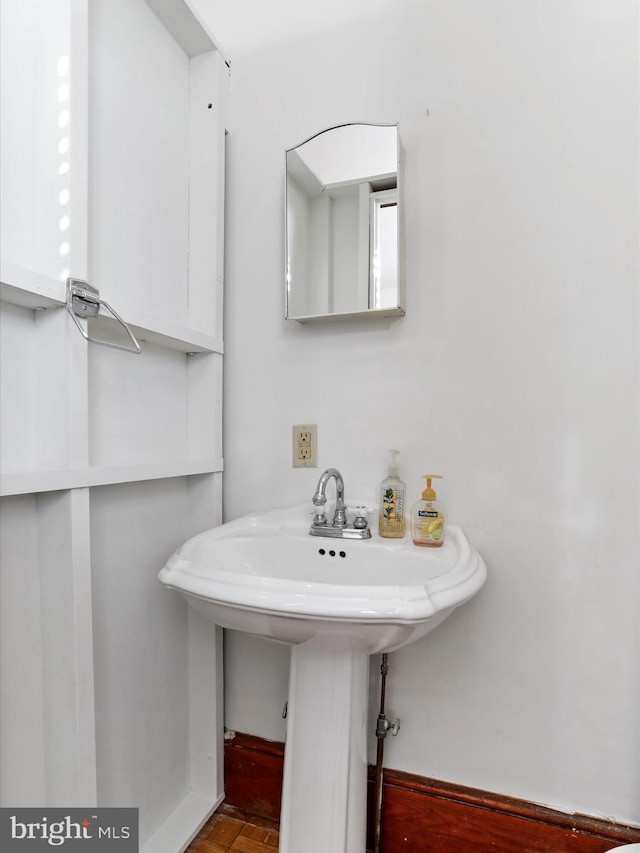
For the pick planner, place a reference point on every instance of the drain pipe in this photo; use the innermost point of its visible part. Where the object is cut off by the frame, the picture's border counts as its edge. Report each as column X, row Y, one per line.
column 382, row 727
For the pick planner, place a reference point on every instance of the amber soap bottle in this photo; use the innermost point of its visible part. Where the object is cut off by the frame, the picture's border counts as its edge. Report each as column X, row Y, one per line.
column 428, row 517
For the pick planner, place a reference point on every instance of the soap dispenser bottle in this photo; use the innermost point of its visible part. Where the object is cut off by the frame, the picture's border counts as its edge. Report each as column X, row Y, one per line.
column 391, row 519
column 428, row 517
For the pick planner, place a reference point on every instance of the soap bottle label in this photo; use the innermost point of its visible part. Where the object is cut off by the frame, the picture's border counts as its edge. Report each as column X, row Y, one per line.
column 431, row 528
column 392, row 514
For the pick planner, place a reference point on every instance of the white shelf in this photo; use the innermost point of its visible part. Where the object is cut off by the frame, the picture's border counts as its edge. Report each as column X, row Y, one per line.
column 29, row 289
column 187, row 29
column 166, row 334
column 30, row 482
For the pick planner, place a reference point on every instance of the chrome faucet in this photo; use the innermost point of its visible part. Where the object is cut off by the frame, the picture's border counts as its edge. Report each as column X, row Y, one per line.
column 320, row 498
column 339, row 528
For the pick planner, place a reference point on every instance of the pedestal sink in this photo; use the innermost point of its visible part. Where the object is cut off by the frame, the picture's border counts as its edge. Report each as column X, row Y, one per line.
column 336, row 602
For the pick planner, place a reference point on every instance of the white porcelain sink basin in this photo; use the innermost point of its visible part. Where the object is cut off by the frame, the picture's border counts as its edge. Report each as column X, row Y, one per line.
column 336, row 601
column 265, row 575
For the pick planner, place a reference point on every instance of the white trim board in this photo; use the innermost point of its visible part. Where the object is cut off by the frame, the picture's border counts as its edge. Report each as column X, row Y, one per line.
column 182, row 825
column 29, row 482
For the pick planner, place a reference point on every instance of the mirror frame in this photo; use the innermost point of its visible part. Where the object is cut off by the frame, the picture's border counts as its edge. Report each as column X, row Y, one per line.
column 399, row 309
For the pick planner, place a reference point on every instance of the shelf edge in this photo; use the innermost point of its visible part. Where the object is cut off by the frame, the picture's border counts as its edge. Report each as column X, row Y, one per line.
column 35, row 482
column 28, row 288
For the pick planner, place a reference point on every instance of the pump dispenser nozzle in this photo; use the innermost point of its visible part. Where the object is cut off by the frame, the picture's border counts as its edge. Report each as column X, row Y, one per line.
column 429, row 494
column 394, row 468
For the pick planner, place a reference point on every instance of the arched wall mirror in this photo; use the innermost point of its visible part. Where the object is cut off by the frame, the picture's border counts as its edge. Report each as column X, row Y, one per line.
column 343, row 200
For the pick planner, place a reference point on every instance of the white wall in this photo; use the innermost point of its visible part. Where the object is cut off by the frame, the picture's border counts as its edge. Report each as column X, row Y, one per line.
column 514, row 372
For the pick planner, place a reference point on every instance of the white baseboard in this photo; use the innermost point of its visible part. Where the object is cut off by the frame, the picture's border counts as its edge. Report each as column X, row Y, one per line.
column 182, row 825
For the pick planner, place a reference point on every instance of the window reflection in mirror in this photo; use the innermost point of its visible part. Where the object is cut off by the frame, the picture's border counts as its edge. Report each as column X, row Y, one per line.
column 383, row 241
column 342, row 204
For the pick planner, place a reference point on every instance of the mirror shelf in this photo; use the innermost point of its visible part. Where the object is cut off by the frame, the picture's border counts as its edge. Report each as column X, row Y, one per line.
column 368, row 314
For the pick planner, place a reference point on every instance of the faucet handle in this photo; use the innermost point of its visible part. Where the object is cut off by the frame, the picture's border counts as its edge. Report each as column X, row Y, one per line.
column 361, row 512
column 319, row 514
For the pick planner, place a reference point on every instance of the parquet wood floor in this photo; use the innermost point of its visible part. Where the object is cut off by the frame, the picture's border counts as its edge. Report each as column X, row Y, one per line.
column 228, row 831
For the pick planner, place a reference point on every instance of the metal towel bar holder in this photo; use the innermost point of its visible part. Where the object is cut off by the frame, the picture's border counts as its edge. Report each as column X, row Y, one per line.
column 83, row 300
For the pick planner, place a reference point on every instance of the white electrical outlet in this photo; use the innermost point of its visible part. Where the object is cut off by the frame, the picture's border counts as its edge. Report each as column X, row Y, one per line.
column 305, row 446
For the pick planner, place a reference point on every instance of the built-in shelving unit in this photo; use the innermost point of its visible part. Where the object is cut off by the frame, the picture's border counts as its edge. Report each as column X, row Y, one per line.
column 113, row 139
column 159, row 265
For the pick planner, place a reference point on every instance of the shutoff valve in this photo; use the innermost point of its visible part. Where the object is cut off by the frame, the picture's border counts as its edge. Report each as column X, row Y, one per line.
column 385, row 725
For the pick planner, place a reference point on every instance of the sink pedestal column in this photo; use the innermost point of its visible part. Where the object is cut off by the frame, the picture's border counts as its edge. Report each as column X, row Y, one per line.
column 324, row 793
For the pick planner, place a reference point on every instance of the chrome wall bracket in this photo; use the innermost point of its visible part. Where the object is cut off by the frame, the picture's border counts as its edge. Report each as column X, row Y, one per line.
column 83, row 300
